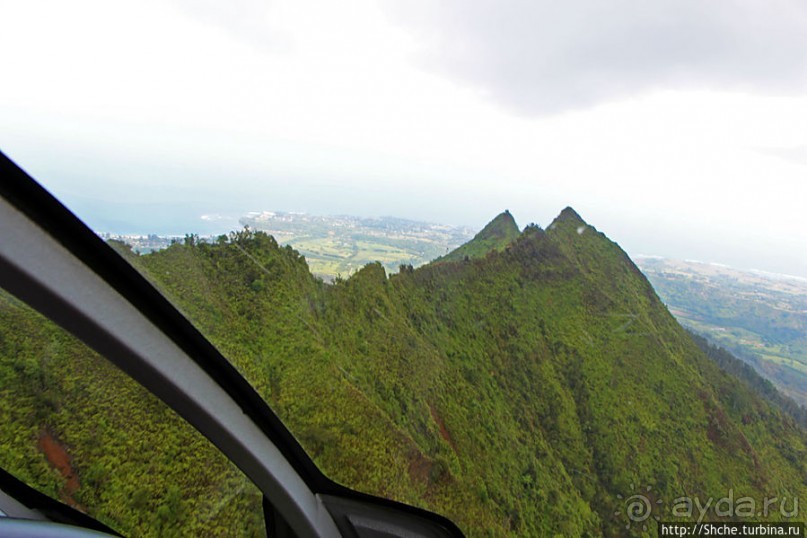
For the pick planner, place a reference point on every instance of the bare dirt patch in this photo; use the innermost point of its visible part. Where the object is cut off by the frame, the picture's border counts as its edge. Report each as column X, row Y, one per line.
column 59, row 458
column 441, row 425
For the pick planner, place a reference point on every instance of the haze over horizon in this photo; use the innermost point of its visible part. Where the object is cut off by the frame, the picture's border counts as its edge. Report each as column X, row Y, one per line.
column 676, row 128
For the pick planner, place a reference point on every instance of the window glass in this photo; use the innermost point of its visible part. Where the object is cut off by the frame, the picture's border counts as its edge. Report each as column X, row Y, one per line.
column 81, row 431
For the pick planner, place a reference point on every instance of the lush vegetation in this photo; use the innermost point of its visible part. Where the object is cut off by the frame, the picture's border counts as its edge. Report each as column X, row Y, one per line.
column 83, row 432
column 522, row 389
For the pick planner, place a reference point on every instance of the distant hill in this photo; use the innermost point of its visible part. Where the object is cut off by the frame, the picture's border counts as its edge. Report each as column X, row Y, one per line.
column 530, row 391
column 759, row 317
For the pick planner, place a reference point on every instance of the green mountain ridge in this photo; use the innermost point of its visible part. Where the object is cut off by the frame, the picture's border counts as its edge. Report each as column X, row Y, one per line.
column 527, row 390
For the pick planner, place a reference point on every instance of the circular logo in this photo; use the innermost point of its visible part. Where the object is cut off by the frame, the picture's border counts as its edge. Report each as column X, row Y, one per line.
column 638, row 507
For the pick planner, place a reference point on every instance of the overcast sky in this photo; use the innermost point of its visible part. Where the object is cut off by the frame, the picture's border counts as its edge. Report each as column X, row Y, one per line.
column 677, row 127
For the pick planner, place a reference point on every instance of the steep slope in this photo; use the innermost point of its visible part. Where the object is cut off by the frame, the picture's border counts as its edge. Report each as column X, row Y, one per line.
column 760, row 318
column 748, row 374
column 525, row 392
column 495, row 236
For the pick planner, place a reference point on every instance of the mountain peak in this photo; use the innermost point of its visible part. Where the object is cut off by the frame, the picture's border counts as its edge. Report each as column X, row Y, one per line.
column 503, row 226
column 496, row 235
column 570, row 214
column 567, row 218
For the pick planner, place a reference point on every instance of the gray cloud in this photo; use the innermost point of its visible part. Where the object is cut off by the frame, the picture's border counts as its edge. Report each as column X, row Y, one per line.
column 541, row 57
column 797, row 155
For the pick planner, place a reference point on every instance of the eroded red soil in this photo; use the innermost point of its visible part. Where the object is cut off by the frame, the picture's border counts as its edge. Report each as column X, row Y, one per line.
column 57, row 455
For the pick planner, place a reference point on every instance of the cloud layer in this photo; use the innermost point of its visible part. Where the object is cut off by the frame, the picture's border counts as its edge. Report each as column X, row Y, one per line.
column 543, row 57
